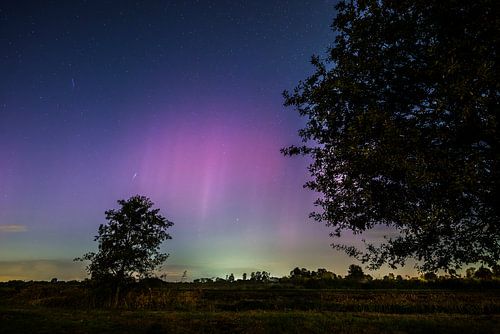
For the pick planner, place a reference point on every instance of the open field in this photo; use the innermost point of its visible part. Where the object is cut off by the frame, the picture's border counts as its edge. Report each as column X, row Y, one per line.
column 191, row 308
column 43, row 320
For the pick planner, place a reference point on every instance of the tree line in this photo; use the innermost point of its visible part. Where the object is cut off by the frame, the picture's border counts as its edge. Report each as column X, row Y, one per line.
column 355, row 273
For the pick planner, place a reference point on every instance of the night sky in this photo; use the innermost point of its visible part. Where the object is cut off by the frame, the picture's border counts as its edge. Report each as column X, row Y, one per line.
column 179, row 101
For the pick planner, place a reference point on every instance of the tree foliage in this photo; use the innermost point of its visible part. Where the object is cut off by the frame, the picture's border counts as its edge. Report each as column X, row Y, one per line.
column 355, row 272
column 129, row 244
column 403, row 130
column 483, row 273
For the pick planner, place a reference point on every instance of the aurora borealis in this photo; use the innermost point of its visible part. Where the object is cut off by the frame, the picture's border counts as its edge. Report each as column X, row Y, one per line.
column 179, row 101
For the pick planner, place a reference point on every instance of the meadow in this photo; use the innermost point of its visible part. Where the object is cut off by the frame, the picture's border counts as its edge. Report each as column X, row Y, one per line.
column 76, row 307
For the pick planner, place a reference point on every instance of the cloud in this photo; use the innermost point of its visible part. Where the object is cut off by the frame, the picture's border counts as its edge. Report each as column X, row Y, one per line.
column 12, row 228
column 41, row 270
column 66, row 269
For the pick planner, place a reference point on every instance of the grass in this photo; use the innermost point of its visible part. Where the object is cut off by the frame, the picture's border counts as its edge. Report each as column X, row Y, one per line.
column 43, row 320
column 190, row 308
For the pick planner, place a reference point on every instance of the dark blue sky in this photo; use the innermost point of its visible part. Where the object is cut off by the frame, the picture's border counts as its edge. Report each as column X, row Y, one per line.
column 176, row 100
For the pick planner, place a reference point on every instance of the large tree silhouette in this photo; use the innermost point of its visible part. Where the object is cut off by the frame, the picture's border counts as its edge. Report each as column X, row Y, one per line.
column 403, row 130
column 129, row 244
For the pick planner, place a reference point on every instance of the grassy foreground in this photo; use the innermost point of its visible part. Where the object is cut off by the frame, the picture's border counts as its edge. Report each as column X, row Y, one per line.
column 42, row 320
column 191, row 308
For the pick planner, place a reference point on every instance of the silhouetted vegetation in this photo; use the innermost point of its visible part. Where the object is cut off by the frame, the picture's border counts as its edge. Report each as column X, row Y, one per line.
column 357, row 279
column 403, row 130
column 304, row 293
column 154, row 293
column 129, row 249
column 129, row 244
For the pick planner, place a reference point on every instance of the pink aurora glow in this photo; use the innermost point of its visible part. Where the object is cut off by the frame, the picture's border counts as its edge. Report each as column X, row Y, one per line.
column 206, row 163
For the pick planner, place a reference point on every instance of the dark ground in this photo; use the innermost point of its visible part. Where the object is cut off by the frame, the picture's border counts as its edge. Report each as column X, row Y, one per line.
column 258, row 308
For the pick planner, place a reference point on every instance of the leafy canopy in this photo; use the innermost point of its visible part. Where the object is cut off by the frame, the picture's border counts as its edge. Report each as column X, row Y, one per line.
column 355, row 272
column 403, row 130
column 129, row 244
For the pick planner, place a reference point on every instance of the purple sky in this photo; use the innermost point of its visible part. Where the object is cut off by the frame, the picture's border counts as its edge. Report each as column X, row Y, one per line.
column 179, row 101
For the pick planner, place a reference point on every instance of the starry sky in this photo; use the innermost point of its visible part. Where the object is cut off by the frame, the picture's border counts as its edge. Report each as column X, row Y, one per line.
column 179, row 101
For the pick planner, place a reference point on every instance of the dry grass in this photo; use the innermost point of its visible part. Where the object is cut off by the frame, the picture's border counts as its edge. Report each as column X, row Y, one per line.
column 186, row 308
